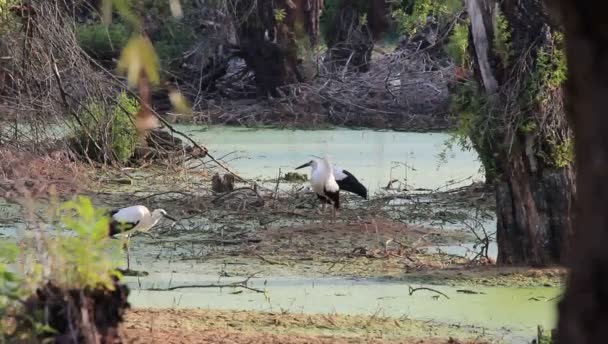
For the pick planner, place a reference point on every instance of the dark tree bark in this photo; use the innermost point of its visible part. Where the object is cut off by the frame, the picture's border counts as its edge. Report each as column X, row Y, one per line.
column 269, row 35
column 351, row 41
column 583, row 312
column 525, row 134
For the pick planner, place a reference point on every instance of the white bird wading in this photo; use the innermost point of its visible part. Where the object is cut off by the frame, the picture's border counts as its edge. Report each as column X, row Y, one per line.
column 327, row 187
column 129, row 220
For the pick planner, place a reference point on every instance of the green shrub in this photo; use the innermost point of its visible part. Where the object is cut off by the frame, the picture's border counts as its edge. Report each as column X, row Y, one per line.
column 174, row 39
column 79, row 256
column 83, row 260
column 124, row 133
column 101, row 41
column 458, row 44
column 411, row 15
column 118, row 118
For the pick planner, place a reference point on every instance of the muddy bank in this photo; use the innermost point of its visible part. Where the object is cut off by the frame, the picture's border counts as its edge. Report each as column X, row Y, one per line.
column 210, row 326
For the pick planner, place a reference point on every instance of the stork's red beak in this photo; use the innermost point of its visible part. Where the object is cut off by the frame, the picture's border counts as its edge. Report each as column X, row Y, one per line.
column 305, row 165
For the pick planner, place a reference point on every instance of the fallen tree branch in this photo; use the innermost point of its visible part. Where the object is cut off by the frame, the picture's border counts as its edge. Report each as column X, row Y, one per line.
column 413, row 290
column 240, row 284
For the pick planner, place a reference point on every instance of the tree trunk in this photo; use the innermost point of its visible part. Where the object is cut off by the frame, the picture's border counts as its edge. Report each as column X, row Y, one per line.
column 583, row 312
column 354, row 26
column 270, row 34
column 524, row 132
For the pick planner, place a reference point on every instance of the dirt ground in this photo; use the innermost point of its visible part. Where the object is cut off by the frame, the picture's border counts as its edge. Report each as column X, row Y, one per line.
column 210, row 326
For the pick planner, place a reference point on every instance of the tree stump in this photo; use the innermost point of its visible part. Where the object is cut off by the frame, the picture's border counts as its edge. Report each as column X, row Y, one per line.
column 222, row 184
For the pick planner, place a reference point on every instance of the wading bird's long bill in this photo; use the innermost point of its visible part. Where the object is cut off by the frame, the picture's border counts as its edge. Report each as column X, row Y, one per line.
column 170, row 218
column 305, row 165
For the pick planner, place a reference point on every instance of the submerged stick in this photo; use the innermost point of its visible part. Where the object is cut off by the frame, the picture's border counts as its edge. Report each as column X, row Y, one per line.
column 413, row 290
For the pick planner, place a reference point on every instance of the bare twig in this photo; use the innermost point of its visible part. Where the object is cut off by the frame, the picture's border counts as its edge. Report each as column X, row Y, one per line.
column 244, row 284
column 413, row 290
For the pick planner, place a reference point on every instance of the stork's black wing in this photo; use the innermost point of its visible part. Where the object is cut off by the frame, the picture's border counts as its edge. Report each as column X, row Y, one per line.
column 351, row 184
column 121, row 227
column 117, row 227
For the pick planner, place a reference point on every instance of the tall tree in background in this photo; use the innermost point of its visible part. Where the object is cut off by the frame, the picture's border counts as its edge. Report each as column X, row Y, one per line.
column 271, row 33
column 583, row 312
column 516, row 122
column 351, row 27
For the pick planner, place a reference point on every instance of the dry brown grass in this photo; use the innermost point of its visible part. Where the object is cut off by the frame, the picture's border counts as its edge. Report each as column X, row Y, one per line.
column 213, row 326
column 26, row 174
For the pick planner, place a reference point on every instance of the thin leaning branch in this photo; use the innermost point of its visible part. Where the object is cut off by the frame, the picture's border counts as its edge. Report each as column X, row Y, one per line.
column 244, row 284
column 162, row 120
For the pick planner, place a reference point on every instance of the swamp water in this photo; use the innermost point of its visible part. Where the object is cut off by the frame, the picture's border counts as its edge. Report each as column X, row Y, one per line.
column 508, row 314
column 375, row 157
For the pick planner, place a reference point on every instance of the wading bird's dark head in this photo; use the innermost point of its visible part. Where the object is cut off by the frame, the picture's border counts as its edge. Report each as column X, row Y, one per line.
column 162, row 213
column 313, row 163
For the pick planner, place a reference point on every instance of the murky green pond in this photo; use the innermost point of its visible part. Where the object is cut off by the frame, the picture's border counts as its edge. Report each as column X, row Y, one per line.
column 508, row 313
column 375, row 157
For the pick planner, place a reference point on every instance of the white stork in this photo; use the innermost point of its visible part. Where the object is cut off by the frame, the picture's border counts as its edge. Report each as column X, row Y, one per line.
column 133, row 219
column 327, row 184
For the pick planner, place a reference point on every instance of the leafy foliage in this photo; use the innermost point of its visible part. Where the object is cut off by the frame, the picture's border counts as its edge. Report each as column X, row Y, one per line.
column 474, row 129
column 411, row 15
column 8, row 21
column 138, row 59
column 173, row 39
column 458, row 45
column 280, row 15
column 180, row 103
column 139, row 56
column 542, row 86
column 101, row 41
column 118, row 118
column 536, row 77
column 83, row 260
column 562, row 154
column 10, row 291
column 551, row 64
column 79, row 256
column 502, row 39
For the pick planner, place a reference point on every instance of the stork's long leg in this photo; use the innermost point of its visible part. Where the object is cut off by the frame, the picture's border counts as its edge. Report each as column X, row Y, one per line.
column 323, row 212
column 128, row 249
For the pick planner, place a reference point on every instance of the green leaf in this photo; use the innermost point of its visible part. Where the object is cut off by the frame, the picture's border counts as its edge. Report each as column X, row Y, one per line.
column 280, row 14
column 180, row 103
column 9, row 252
column 139, row 56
